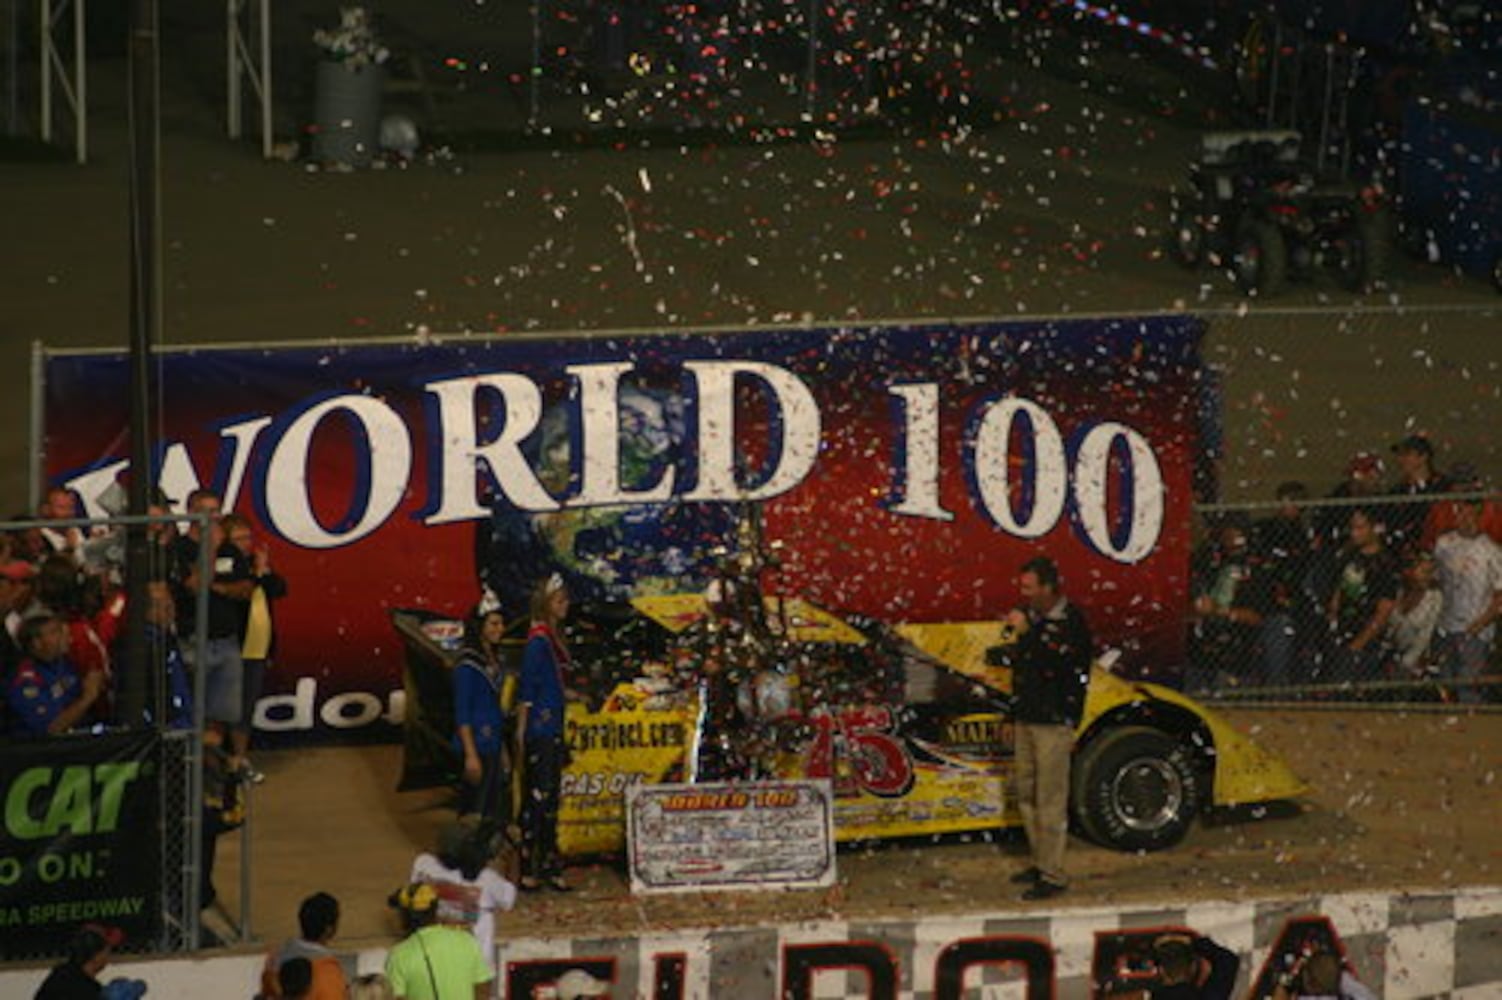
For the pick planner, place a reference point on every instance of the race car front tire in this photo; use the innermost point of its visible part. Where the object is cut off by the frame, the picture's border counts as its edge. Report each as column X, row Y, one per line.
column 1135, row 789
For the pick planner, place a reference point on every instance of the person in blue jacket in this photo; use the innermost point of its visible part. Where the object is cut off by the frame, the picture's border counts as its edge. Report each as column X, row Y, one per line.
column 540, row 719
column 482, row 694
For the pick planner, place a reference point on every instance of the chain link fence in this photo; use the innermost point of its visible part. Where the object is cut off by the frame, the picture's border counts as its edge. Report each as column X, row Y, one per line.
column 72, row 571
column 1364, row 597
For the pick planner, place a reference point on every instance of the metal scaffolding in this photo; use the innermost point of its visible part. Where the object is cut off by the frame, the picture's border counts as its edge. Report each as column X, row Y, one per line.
column 248, row 57
column 74, row 88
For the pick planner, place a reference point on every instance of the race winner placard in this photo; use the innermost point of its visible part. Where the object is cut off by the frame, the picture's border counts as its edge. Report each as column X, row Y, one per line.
column 746, row 835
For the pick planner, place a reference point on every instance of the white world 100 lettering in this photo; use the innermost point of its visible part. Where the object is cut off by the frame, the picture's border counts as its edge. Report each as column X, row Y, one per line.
column 1109, row 484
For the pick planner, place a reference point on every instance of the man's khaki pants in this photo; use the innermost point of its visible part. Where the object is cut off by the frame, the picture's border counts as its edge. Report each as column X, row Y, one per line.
column 1043, row 794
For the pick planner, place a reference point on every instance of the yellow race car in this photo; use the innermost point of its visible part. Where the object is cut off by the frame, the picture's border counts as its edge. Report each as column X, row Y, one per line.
column 908, row 723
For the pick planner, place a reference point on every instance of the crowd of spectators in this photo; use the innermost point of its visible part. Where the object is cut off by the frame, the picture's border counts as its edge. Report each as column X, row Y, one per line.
column 63, row 657
column 1385, row 584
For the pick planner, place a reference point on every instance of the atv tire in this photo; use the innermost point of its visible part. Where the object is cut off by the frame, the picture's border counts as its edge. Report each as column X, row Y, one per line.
column 1260, row 260
column 1366, row 253
column 1135, row 789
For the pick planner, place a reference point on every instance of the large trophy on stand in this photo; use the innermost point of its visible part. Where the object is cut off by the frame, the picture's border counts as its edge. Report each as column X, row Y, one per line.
column 746, row 677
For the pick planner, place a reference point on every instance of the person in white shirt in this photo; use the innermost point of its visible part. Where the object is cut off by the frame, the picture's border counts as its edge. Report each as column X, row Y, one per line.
column 1470, row 580
column 1410, row 627
column 469, row 892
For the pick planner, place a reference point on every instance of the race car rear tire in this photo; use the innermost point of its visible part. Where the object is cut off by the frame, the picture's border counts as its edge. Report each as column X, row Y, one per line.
column 1260, row 260
column 1135, row 789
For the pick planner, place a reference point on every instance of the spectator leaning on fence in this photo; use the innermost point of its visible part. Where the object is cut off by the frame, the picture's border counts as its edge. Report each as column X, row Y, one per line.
column 1470, row 579
column 1366, row 587
column 48, row 695
column 1410, row 627
column 92, row 622
column 1232, row 602
column 223, row 670
column 257, row 631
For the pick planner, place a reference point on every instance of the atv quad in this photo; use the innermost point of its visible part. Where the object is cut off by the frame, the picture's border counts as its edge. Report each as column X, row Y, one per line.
column 1258, row 210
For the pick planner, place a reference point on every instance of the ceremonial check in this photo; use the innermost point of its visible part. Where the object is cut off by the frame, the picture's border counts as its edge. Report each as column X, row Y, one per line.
column 747, row 835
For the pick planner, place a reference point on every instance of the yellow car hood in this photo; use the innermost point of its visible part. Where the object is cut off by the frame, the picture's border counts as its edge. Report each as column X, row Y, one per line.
column 1244, row 771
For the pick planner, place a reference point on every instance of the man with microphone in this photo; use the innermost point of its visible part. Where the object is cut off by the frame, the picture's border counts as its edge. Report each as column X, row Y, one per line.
column 1050, row 671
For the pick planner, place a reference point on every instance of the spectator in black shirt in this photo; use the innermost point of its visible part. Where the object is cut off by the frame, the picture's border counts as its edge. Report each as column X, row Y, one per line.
column 1416, row 477
column 229, row 590
column 1231, row 603
column 77, row 977
column 1366, row 589
column 1285, row 545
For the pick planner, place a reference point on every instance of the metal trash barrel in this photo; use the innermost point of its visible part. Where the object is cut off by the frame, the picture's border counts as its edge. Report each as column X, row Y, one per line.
column 347, row 113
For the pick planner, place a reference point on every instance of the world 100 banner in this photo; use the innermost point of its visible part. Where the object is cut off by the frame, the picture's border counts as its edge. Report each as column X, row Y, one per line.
column 906, row 471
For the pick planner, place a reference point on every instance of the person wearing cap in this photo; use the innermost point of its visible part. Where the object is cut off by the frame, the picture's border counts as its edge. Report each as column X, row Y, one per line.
column 435, row 961
column 77, row 976
column 543, row 697
column 47, row 694
column 1416, row 477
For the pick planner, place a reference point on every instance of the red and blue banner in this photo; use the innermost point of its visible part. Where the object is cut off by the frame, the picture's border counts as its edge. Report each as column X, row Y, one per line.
column 906, row 471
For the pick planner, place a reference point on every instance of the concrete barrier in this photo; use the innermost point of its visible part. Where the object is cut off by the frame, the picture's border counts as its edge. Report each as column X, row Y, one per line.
column 1402, row 945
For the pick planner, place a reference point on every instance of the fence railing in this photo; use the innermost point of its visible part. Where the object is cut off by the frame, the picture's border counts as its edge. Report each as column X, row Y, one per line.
column 1367, row 597
column 79, row 577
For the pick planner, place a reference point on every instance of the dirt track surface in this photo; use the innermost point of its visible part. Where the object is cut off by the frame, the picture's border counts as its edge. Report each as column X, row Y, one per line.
column 1399, row 800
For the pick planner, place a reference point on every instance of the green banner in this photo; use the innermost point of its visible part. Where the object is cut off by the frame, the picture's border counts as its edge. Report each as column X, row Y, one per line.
column 79, row 840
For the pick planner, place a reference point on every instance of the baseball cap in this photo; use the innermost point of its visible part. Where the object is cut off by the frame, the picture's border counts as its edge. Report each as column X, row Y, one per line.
column 112, row 936
column 123, row 989
column 1413, row 442
column 417, row 897
column 17, row 570
column 1364, row 463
